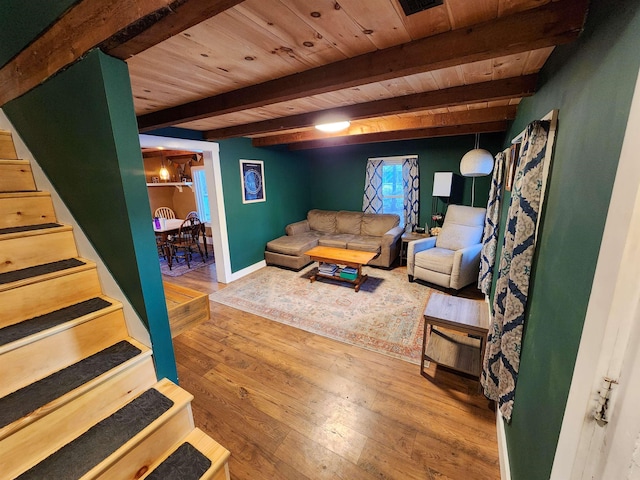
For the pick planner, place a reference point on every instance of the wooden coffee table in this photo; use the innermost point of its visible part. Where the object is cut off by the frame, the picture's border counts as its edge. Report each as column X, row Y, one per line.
column 341, row 256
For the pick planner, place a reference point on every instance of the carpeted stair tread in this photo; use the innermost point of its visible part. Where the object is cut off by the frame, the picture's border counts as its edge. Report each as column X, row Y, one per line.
column 85, row 452
column 41, row 323
column 186, row 463
column 37, row 270
column 28, row 228
column 28, row 399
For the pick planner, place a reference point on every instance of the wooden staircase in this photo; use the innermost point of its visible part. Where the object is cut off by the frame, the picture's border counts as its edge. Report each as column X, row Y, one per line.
column 79, row 397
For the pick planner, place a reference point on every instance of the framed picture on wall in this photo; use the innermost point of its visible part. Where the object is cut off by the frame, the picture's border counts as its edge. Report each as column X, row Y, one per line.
column 252, row 178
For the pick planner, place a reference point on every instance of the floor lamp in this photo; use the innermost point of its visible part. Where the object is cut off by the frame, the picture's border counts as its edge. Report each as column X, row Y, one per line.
column 476, row 163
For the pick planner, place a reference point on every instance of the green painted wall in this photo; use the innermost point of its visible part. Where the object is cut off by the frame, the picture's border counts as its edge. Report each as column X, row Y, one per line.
column 81, row 128
column 250, row 226
column 338, row 173
column 22, row 20
column 591, row 82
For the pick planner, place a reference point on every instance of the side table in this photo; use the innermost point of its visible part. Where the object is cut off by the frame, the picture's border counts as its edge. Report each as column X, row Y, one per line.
column 404, row 241
column 463, row 350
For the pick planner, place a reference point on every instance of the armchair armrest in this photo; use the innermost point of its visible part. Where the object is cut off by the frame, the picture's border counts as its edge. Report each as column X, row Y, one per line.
column 415, row 247
column 297, row 228
column 466, row 264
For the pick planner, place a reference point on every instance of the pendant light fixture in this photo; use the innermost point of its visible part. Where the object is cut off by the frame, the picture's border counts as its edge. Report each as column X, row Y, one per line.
column 476, row 163
column 163, row 173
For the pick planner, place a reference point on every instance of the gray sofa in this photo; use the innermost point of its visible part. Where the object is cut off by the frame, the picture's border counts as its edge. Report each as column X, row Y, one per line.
column 352, row 230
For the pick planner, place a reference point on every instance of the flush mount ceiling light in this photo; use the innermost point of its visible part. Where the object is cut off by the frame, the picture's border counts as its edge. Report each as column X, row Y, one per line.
column 333, row 127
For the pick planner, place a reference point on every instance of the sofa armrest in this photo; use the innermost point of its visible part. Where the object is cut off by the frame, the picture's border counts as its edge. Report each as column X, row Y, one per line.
column 466, row 262
column 391, row 236
column 418, row 246
column 297, row 228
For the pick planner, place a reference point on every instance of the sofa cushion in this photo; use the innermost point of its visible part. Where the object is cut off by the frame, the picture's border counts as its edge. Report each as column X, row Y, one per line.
column 338, row 240
column 365, row 244
column 322, row 220
column 348, row 222
column 435, row 259
column 377, row 224
column 292, row 245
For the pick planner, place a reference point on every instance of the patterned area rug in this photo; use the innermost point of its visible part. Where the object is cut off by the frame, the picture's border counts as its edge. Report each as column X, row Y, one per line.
column 181, row 268
column 384, row 316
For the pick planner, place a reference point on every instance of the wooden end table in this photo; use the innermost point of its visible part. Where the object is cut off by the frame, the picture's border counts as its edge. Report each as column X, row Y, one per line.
column 341, row 256
column 463, row 350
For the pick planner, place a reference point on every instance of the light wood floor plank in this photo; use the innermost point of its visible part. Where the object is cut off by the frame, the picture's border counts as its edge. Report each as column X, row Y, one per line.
column 289, row 404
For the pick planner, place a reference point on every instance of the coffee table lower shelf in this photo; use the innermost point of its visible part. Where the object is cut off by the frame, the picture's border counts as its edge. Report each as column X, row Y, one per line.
column 359, row 280
column 455, row 351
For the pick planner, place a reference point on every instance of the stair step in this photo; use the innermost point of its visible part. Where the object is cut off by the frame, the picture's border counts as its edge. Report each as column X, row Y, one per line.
column 21, row 250
column 16, row 176
column 50, row 268
column 110, row 441
column 188, row 458
column 51, row 291
column 47, row 321
column 28, row 399
column 33, row 362
column 27, row 208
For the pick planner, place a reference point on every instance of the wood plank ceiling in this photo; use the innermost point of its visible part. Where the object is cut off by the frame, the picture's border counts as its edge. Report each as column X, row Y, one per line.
column 271, row 69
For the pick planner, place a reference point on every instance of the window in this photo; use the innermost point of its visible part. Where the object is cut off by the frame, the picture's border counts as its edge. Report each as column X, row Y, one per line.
column 202, row 195
column 392, row 190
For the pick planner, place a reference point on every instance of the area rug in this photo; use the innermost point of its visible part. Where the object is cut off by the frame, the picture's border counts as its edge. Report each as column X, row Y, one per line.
column 384, row 316
column 181, row 268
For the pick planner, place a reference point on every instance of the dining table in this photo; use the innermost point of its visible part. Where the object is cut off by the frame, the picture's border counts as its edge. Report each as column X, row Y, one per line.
column 171, row 226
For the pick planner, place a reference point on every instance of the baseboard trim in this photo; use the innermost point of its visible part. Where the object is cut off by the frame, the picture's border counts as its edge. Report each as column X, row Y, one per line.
column 246, row 271
column 503, row 451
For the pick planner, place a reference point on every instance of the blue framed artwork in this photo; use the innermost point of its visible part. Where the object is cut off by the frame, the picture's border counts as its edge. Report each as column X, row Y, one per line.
column 252, row 178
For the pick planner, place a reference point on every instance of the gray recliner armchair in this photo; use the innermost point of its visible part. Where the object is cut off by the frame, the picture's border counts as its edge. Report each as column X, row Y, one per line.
column 452, row 259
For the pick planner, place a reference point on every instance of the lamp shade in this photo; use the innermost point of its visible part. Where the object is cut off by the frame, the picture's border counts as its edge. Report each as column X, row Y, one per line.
column 476, row 163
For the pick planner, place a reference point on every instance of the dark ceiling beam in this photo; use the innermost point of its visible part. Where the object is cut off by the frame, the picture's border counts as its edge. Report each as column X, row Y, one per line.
column 94, row 23
column 551, row 24
column 453, row 130
column 516, row 87
column 151, row 30
column 414, row 122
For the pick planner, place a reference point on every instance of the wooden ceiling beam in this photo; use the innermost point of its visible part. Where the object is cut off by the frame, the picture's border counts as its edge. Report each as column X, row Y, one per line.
column 551, row 24
column 448, row 131
column 516, row 87
column 416, row 122
column 177, row 17
column 93, row 23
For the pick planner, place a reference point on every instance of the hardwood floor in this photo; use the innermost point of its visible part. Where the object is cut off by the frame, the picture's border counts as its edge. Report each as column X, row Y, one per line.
column 293, row 405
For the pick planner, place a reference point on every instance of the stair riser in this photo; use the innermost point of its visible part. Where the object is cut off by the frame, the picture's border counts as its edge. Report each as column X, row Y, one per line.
column 28, row 251
column 7, row 149
column 41, row 438
column 22, row 211
column 39, row 359
column 39, row 298
column 16, row 176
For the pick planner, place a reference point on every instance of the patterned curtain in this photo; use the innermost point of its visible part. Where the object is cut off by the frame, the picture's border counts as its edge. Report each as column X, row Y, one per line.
column 411, row 188
column 502, row 356
column 372, row 200
column 491, row 227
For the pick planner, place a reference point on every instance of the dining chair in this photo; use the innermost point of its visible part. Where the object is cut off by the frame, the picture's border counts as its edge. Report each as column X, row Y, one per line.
column 164, row 212
column 193, row 214
column 187, row 241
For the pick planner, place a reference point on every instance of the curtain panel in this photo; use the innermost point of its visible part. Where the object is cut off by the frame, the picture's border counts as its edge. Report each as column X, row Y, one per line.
column 372, row 200
column 411, row 188
column 502, row 356
column 491, row 227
